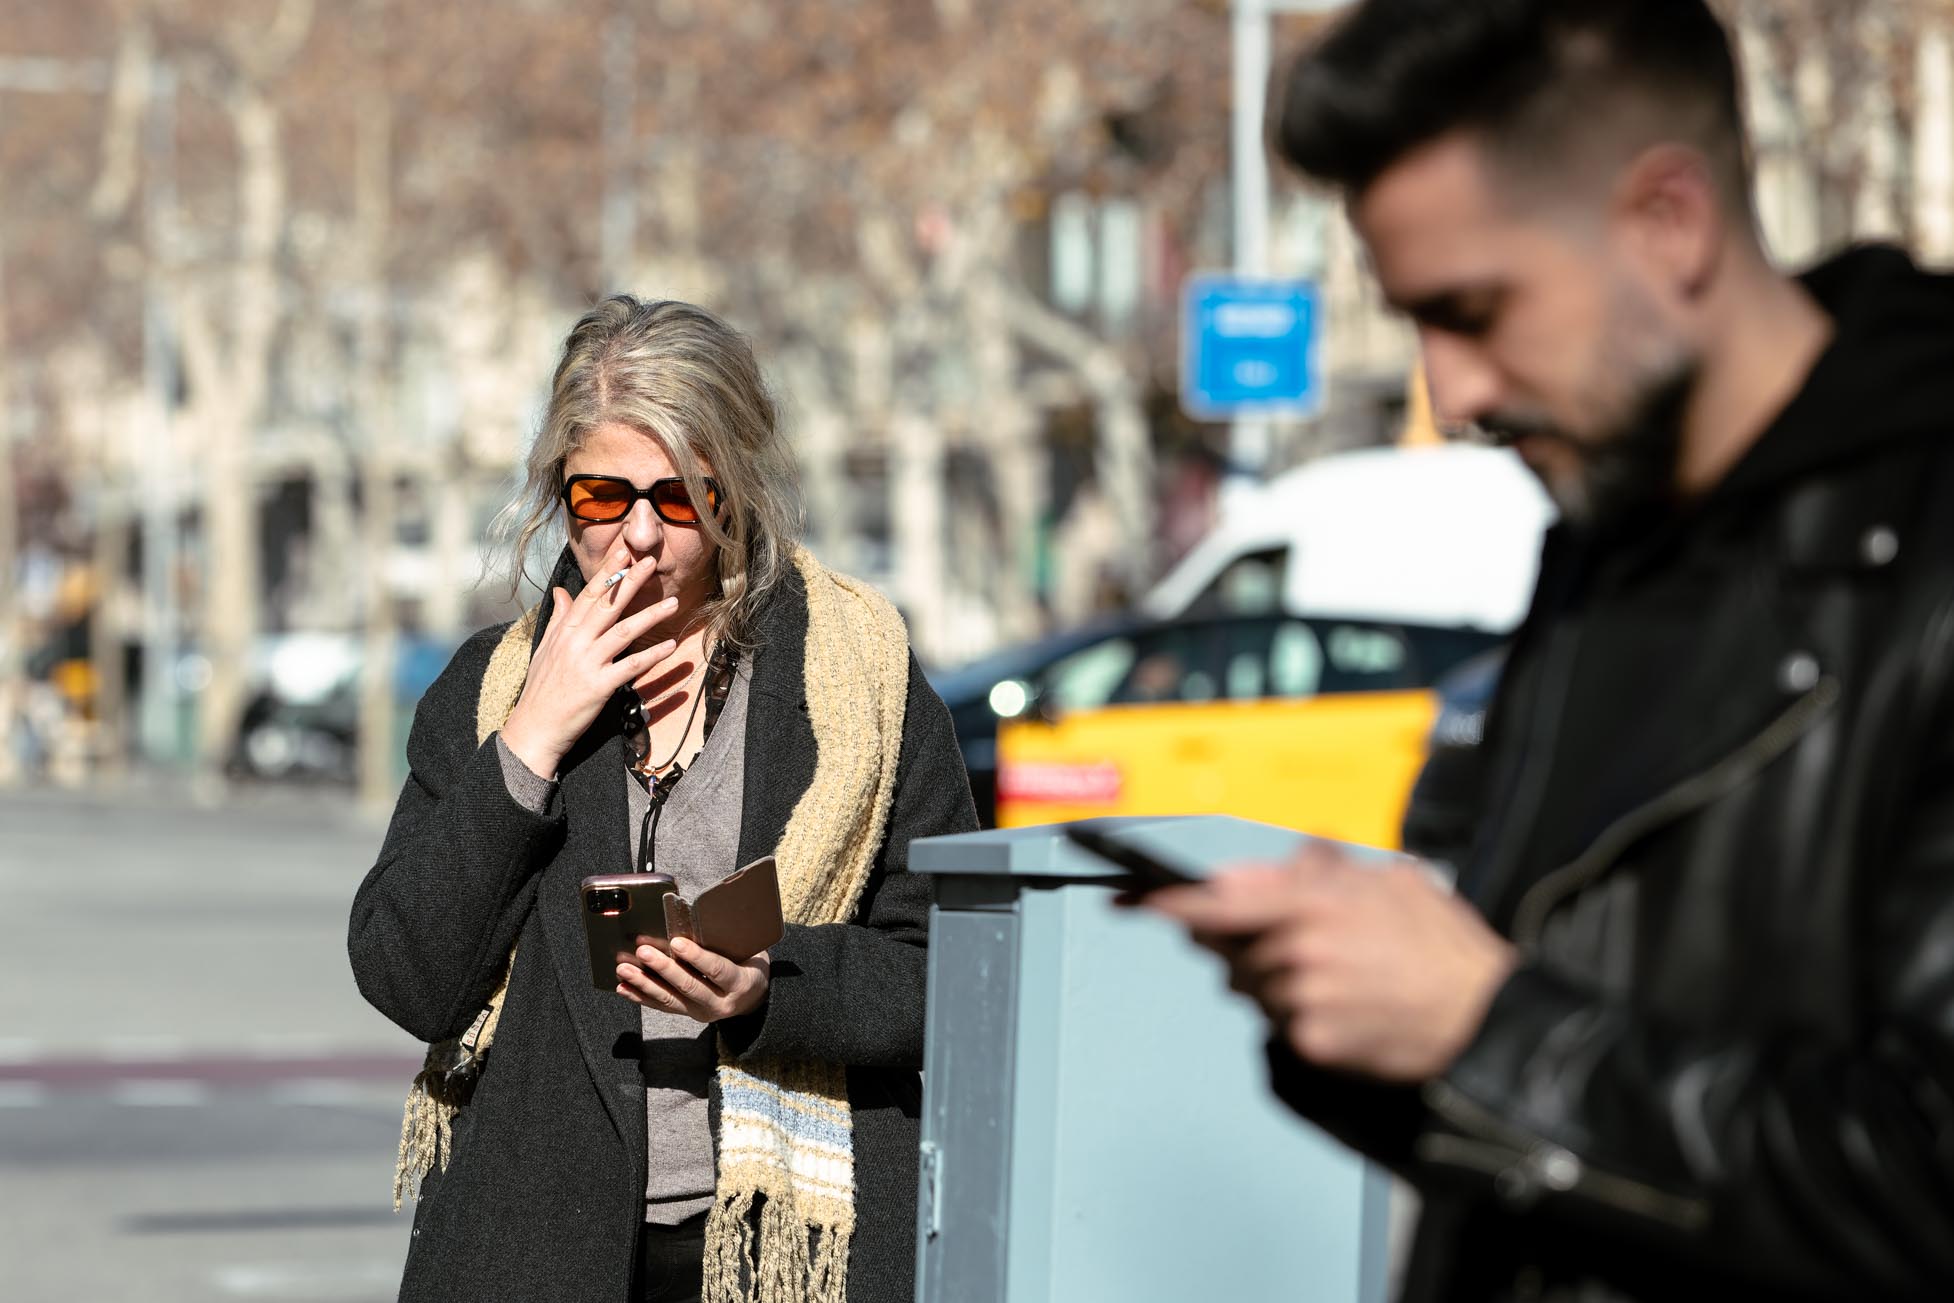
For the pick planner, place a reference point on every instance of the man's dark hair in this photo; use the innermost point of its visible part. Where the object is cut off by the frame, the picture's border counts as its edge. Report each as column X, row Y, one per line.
column 1538, row 80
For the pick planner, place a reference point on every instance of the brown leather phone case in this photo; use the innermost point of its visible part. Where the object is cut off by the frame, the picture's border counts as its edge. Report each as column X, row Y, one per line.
column 738, row 916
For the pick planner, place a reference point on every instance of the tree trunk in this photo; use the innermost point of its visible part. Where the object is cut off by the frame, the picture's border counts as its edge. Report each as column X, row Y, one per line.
column 106, row 733
column 12, row 683
column 917, row 527
column 378, row 748
column 234, row 381
column 1012, row 436
column 1933, row 144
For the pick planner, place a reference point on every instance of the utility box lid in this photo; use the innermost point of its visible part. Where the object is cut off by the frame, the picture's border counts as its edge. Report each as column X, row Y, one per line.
column 1202, row 843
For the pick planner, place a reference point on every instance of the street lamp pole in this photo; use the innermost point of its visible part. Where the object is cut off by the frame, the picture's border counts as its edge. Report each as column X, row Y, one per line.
column 1249, row 438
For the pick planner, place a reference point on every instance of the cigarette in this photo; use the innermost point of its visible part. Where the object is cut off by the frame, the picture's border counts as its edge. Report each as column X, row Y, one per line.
column 616, row 579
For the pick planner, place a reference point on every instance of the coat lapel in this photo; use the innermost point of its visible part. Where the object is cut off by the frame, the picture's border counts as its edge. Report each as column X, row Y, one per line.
column 596, row 841
column 779, row 737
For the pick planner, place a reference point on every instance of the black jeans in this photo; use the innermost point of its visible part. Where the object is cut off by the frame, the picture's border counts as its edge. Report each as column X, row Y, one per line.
column 671, row 1262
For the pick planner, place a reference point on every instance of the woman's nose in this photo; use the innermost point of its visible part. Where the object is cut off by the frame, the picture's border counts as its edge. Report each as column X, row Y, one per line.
column 642, row 528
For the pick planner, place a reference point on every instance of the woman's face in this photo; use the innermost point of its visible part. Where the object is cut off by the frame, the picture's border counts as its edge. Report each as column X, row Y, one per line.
column 685, row 558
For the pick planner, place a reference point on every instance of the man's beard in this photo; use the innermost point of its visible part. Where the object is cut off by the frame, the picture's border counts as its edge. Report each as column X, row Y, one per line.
column 1626, row 472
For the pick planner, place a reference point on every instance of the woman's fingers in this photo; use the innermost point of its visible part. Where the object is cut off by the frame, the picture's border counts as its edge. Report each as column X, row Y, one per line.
column 716, row 969
column 639, row 665
column 637, row 625
column 598, row 589
column 679, row 976
column 630, row 573
column 559, row 603
column 636, row 984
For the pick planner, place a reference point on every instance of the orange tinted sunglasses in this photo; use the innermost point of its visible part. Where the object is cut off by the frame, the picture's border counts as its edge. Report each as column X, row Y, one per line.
column 606, row 499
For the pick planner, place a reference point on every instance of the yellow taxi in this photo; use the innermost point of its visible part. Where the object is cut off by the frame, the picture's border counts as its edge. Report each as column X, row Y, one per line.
column 1315, row 723
column 1289, row 671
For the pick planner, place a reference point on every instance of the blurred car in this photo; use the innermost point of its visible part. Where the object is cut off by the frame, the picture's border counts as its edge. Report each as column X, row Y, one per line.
column 1004, row 685
column 1438, row 818
column 1316, row 722
column 301, row 720
column 1446, row 535
column 1134, row 661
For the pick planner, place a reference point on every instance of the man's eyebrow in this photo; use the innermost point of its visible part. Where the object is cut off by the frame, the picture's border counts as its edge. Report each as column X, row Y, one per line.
column 1452, row 305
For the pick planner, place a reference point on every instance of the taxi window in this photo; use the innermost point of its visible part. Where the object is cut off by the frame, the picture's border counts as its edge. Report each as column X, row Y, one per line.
column 1251, row 584
column 1366, row 658
column 1295, row 661
column 1171, row 664
column 1087, row 678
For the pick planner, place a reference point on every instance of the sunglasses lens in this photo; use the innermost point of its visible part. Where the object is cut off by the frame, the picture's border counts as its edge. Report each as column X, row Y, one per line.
column 599, row 500
column 674, row 503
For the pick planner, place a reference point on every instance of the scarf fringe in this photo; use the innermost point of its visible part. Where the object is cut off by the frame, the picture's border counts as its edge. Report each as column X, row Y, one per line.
column 776, row 1257
column 828, row 1281
column 784, row 1266
column 729, row 1249
column 426, row 1138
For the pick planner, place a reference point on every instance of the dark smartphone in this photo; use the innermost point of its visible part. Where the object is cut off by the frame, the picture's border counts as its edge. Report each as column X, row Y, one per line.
column 618, row 908
column 1146, row 871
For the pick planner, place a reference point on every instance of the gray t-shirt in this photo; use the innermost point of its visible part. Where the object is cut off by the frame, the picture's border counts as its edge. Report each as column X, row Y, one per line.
column 696, row 840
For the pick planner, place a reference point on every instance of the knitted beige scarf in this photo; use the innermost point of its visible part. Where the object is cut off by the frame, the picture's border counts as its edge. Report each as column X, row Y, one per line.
column 785, row 1133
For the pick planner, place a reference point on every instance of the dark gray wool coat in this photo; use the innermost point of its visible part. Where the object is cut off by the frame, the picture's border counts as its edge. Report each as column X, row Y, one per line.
column 544, row 1192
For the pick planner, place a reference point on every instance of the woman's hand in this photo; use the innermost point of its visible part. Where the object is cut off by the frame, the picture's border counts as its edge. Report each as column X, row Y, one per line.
column 694, row 981
column 580, row 662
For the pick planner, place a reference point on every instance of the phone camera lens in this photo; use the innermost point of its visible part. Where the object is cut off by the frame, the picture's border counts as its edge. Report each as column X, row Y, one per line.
column 610, row 900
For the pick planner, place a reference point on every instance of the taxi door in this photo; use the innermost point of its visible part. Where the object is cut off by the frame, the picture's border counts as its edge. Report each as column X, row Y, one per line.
column 1315, row 724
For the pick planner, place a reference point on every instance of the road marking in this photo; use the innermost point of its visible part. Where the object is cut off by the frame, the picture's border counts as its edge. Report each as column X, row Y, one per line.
column 277, row 1280
column 160, row 1093
column 325, row 1092
column 293, row 1045
column 143, row 1048
column 230, row 1071
column 22, row 1094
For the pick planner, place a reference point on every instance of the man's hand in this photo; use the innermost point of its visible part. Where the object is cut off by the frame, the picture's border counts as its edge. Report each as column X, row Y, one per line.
column 1370, row 969
column 694, row 981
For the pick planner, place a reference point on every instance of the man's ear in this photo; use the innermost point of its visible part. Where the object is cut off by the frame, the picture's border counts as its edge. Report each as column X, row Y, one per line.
column 1666, row 203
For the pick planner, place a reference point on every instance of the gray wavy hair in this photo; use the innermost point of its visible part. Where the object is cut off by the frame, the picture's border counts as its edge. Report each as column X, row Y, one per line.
column 687, row 379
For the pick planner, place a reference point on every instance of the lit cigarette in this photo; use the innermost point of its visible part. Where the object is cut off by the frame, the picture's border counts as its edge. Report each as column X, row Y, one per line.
column 616, row 579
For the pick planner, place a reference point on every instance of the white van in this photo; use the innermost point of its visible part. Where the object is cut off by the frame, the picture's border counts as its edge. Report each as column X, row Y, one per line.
column 1442, row 535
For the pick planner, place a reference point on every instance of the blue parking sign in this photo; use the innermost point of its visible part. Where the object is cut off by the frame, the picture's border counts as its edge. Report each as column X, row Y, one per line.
column 1248, row 347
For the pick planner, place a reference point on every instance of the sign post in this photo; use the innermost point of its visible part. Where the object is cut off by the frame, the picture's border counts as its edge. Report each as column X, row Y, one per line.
column 1248, row 438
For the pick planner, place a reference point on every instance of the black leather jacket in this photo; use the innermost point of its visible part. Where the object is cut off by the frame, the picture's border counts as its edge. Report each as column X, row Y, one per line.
column 1718, row 819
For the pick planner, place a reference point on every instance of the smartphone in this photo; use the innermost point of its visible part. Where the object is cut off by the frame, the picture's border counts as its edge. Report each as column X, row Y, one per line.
column 618, row 908
column 1145, row 870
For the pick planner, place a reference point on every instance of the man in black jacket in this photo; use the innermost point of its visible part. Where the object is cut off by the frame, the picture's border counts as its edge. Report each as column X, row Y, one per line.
column 1693, row 1037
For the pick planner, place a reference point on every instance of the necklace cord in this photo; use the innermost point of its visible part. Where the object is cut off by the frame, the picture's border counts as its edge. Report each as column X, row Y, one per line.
column 659, row 785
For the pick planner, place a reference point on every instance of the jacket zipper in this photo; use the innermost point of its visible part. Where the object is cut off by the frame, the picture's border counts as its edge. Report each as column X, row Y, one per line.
column 1523, row 1165
column 1530, row 916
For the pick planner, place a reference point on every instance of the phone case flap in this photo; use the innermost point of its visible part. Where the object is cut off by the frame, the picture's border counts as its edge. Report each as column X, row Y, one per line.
column 740, row 916
column 678, row 919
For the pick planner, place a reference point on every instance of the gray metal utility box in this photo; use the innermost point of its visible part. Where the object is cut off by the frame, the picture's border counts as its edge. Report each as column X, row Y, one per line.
column 1097, row 1123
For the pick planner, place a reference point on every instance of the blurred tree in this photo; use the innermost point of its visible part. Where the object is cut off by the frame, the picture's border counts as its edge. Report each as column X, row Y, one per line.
column 366, row 226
